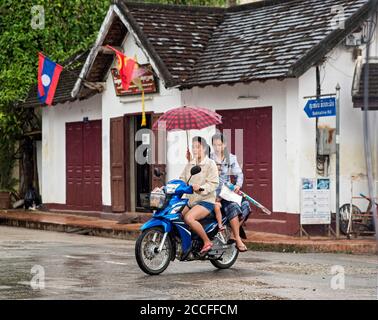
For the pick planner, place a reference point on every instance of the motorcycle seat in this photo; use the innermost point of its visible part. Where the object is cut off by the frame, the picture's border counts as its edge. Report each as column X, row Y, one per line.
column 207, row 220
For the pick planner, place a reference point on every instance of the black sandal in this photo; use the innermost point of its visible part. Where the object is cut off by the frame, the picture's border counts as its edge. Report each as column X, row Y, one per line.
column 242, row 249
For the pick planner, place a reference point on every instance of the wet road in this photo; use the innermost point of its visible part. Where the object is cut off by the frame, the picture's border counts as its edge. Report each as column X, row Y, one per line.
column 83, row 267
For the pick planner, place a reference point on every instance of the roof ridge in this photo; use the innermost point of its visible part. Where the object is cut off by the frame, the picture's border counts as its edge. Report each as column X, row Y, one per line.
column 258, row 4
column 75, row 57
column 170, row 6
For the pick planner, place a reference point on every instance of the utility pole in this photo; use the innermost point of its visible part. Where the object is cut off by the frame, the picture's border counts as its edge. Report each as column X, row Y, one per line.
column 338, row 161
column 318, row 94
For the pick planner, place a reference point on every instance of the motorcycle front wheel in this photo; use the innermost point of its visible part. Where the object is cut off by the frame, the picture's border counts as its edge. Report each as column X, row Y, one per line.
column 147, row 255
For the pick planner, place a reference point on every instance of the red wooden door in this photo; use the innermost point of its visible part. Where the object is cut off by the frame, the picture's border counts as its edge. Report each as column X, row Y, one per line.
column 84, row 166
column 74, row 165
column 256, row 124
column 117, row 160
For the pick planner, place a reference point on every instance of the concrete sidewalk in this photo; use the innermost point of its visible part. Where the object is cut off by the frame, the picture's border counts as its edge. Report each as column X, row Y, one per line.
column 260, row 241
column 71, row 223
column 257, row 241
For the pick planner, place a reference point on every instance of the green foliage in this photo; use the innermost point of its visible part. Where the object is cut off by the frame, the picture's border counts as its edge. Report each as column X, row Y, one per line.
column 69, row 26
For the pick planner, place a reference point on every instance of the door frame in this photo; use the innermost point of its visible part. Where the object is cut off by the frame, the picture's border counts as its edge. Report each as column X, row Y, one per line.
column 127, row 164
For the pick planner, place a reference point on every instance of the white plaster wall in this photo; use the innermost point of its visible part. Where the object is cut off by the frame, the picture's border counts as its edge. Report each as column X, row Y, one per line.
column 39, row 163
column 54, row 120
column 339, row 68
column 292, row 125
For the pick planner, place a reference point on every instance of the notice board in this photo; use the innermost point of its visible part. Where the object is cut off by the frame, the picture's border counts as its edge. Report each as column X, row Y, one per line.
column 315, row 201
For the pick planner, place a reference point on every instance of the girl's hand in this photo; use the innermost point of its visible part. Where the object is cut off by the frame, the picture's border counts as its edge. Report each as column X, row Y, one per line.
column 236, row 189
column 196, row 187
column 188, row 155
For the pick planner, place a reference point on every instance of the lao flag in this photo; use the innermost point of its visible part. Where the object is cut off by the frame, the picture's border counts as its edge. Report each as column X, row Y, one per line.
column 48, row 77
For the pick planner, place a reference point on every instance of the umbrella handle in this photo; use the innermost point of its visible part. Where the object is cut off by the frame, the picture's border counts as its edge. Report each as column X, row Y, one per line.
column 188, row 155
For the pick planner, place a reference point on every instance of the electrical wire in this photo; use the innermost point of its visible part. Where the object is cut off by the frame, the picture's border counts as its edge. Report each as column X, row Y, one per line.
column 337, row 69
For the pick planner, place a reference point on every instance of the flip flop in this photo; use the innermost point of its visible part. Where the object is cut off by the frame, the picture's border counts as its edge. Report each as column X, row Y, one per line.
column 242, row 248
column 206, row 248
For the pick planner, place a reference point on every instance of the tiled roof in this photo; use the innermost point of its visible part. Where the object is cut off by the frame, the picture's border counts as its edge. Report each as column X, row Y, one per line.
column 271, row 39
column 266, row 42
column 199, row 46
column 358, row 98
column 66, row 82
column 178, row 34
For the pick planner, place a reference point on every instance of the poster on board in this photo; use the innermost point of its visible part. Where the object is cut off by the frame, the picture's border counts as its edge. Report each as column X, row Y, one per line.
column 315, row 201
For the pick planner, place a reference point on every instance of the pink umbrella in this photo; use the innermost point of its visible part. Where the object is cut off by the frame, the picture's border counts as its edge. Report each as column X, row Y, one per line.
column 187, row 118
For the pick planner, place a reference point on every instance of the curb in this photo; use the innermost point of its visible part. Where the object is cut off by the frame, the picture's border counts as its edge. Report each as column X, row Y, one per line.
column 73, row 229
column 311, row 248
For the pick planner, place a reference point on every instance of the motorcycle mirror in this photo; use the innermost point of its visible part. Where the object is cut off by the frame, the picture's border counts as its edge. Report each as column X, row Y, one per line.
column 157, row 172
column 195, row 170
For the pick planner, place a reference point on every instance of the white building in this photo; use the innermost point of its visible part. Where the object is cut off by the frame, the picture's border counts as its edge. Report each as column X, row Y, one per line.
column 254, row 64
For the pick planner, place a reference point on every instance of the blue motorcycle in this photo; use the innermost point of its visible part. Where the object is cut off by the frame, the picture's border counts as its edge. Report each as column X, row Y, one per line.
column 166, row 237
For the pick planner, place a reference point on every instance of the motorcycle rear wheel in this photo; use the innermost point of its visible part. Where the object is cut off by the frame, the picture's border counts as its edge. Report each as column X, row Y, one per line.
column 230, row 258
column 220, row 264
column 146, row 251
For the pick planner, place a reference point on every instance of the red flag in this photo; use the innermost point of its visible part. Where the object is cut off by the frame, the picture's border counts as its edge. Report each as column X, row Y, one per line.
column 48, row 78
column 41, row 59
column 125, row 67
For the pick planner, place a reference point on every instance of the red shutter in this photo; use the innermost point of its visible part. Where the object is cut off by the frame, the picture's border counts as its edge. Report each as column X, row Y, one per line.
column 84, row 166
column 117, row 160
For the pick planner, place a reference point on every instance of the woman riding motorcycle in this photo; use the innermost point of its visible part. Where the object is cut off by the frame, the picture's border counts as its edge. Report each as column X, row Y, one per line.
column 201, row 202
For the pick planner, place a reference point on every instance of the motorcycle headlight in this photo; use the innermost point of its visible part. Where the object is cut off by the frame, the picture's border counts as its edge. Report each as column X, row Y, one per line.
column 170, row 188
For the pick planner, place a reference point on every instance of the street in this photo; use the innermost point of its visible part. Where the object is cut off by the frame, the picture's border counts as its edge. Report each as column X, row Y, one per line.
column 84, row 267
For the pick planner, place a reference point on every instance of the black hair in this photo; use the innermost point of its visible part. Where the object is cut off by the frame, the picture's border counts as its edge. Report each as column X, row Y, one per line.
column 220, row 136
column 204, row 144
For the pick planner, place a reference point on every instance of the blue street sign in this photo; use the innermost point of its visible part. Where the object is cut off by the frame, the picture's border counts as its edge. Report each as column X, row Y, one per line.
column 325, row 107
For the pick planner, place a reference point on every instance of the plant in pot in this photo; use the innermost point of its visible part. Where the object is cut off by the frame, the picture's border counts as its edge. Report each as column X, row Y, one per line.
column 7, row 181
